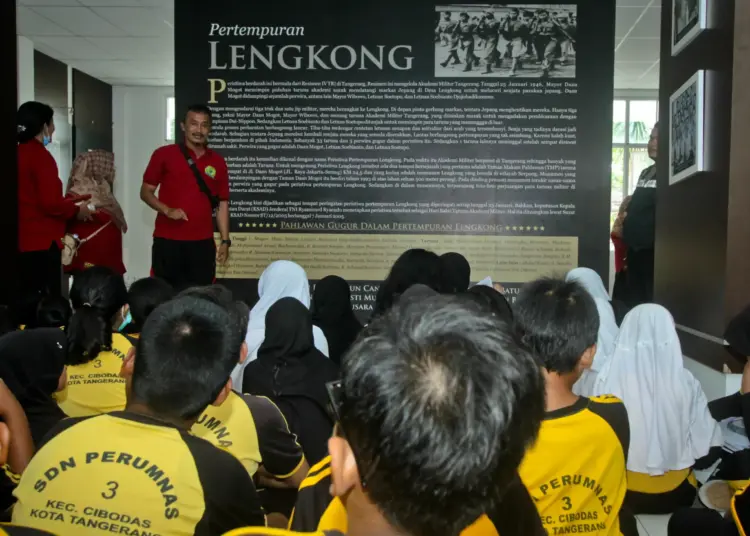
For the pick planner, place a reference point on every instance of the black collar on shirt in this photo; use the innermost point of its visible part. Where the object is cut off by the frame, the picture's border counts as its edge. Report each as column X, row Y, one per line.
column 574, row 408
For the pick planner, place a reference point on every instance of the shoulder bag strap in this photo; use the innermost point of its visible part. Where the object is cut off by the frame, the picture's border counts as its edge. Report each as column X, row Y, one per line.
column 198, row 177
column 82, row 241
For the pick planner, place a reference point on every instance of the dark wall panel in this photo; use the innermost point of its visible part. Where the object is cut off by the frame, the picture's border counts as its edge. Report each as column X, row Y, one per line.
column 51, row 87
column 691, row 232
column 92, row 113
column 8, row 179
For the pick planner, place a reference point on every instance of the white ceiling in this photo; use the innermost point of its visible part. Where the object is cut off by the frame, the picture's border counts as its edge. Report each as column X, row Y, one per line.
column 131, row 42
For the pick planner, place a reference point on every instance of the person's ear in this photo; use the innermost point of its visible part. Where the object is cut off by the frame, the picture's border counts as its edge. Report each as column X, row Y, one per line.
column 344, row 471
column 126, row 370
column 4, row 443
column 223, row 394
column 243, row 352
column 62, row 383
column 587, row 359
column 182, row 125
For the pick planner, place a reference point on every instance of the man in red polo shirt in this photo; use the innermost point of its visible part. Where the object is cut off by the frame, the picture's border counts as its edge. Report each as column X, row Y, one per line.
column 184, row 252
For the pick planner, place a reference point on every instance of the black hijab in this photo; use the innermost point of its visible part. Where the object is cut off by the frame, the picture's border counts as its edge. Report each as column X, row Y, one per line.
column 456, row 272
column 293, row 373
column 332, row 312
column 31, row 363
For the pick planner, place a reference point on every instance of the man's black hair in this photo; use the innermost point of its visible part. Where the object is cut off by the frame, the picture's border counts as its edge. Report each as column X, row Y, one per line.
column 183, row 358
column 144, row 296
column 199, row 109
column 558, row 321
column 439, row 403
column 238, row 311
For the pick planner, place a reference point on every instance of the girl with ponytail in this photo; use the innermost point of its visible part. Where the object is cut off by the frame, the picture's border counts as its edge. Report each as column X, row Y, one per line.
column 96, row 349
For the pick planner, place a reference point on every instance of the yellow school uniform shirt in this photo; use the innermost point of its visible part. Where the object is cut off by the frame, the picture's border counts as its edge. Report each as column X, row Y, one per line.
column 96, row 387
column 576, row 472
column 254, row 431
column 669, row 481
column 125, row 473
column 317, row 510
column 265, row 531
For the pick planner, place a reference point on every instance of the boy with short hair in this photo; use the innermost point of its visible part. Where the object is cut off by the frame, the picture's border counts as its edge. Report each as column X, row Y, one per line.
column 576, row 470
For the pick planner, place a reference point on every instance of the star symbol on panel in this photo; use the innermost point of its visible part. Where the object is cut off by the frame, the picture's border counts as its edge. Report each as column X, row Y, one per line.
column 541, row 228
column 507, row 227
column 515, row 228
column 528, row 228
column 255, row 224
column 536, row 227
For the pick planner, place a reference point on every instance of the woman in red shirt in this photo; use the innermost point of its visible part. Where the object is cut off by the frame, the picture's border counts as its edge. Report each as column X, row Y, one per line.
column 93, row 174
column 43, row 212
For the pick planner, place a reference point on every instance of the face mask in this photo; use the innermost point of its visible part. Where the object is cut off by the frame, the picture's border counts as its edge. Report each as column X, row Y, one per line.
column 46, row 140
column 125, row 322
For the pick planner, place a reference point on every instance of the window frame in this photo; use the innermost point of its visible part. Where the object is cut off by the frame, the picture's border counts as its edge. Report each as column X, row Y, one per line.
column 627, row 145
column 167, row 100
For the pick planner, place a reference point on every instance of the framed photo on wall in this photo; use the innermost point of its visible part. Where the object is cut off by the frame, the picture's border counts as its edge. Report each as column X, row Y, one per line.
column 687, row 121
column 689, row 18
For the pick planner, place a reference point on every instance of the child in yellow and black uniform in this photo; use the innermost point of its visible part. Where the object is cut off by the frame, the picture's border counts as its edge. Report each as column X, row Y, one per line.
column 141, row 471
column 317, row 510
column 575, row 471
column 252, row 428
column 429, row 433
column 670, row 425
column 102, row 306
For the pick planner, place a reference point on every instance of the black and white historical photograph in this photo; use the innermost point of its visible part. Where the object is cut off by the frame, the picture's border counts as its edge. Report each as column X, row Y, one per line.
column 689, row 18
column 507, row 40
column 686, row 129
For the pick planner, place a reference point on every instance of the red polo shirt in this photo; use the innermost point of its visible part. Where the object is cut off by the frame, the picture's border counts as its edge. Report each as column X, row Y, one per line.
column 43, row 212
column 178, row 188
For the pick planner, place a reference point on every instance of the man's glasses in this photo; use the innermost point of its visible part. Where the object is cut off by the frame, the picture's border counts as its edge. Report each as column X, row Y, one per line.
column 336, row 397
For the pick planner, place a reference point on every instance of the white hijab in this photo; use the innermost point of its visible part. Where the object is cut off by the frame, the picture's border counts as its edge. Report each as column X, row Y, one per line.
column 608, row 330
column 281, row 279
column 670, row 425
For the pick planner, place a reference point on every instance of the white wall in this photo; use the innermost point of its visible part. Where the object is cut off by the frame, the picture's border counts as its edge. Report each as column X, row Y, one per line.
column 139, row 118
column 715, row 384
column 25, row 70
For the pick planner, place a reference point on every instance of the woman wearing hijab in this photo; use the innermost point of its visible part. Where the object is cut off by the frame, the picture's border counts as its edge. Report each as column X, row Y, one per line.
column 281, row 279
column 415, row 266
column 670, row 424
column 608, row 330
column 93, row 175
column 293, row 373
column 332, row 312
column 43, row 212
column 595, row 286
column 456, row 272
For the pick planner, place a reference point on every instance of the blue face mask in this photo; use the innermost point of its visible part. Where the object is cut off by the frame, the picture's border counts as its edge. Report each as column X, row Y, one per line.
column 126, row 322
column 46, row 140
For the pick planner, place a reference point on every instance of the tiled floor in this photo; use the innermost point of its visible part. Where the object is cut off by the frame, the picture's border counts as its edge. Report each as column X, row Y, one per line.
column 652, row 525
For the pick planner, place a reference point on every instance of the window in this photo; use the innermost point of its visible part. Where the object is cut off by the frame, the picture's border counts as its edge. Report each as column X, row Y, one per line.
column 171, row 124
column 632, row 122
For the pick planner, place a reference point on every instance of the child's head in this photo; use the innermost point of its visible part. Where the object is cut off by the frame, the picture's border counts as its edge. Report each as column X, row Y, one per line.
column 559, row 322
column 53, row 312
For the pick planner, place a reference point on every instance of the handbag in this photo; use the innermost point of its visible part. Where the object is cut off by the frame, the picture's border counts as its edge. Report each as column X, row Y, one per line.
column 214, row 200
column 71, row 243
